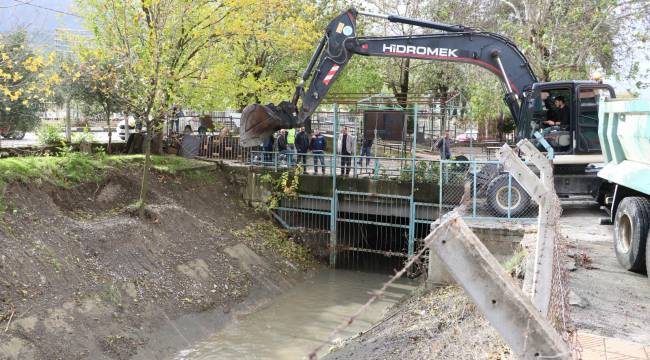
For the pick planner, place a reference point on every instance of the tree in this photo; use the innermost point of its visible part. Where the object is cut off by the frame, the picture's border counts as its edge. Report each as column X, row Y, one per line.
column 159, row 44
column 67, row 71
column 98, row 84
column 485, row 102
column 399, row 71
column 570, row 39
column 24, row 82
column 262, row 55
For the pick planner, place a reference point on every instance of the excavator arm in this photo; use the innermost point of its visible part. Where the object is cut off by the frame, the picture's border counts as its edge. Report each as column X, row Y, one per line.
column 340, row 42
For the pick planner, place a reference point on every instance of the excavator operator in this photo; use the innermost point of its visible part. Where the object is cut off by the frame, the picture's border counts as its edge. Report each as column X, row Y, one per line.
column 560, row 117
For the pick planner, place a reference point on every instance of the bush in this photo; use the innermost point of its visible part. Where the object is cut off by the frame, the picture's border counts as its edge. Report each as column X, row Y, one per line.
column 50, row 135
column 83, row 137
column 425, row 172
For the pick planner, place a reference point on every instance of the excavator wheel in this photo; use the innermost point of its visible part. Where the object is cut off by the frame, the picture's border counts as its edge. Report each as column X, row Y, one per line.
column 497, row 197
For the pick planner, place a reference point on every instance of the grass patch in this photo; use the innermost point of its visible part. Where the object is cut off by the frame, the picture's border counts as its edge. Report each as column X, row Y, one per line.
column 74, row 168
column 515, row 261
column 204, row 176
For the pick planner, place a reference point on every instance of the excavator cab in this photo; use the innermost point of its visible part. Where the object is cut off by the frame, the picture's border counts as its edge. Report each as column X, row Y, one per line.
column 578, row 135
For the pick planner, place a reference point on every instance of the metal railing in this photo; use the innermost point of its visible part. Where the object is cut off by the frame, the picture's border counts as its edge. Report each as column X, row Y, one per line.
column 223, row 147
column 397, row 192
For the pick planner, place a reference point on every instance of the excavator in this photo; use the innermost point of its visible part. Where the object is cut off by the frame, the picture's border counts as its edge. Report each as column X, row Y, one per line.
column 571, row 139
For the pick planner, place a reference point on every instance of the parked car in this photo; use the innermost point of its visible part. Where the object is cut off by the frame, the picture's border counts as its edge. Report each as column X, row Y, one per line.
column 11, row 134
column 467, row 136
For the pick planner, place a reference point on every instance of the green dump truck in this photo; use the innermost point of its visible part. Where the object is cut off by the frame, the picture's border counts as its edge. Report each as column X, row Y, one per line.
column 624, row 131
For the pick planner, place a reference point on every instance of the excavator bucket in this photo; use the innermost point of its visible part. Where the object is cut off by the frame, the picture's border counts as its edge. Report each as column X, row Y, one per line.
column 259, row 121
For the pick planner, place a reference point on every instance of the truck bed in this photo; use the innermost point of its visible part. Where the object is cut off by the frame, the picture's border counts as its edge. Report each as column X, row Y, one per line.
column 624, row 132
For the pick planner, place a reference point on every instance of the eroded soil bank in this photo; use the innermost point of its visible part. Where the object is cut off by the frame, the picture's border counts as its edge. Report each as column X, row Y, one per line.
column 82, row 277
column 441, row 323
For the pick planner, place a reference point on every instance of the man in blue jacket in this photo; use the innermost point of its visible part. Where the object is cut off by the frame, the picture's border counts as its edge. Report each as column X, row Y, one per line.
column 317, row 146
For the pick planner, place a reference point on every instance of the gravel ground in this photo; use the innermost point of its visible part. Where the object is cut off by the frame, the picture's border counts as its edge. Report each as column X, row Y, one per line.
column 613, row 302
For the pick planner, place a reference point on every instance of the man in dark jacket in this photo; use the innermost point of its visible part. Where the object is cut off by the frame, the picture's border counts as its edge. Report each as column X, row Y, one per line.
column 444, row 145
column 317, row 146
column 366, row 150
column 302, row 146
column 267, row 148
column 283, row 147
column 559, row 117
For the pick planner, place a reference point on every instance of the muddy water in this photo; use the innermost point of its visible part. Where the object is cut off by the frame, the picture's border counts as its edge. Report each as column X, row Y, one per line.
column 295, row 322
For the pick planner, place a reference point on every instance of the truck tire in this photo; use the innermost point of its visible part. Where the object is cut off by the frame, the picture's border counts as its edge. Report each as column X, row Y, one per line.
column 647, row 255
column 631, row 225
column 497, row 197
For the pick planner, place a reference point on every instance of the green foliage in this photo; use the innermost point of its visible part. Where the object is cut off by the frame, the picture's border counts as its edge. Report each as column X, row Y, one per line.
column 203, row 176
column 83, row 137
column 49, row 134
column 485, row 101
column 286, row 186
column 23, row 83
column 72, row 168
column 65, row 170
column 426, row 172
column 361, row 75
column 516, row 261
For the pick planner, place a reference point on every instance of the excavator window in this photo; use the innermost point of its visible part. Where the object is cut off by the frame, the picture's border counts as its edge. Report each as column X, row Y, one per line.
column 545, row 114
column 587, row 118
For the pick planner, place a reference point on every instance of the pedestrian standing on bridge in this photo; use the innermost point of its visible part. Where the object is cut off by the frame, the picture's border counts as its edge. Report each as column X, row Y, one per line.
column 302, row 146
column 444, row 145
column 283, row 147
column 317, row 146
column 267, row 148
column 347, row 148
column 291, row 144
column 366, row 150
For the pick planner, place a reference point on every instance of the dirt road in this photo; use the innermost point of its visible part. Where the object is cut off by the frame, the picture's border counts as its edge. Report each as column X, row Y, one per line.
column 616, row 302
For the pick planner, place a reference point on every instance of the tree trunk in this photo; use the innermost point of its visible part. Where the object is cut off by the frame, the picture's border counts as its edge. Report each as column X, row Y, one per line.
column 487, row 123
column 443, row 110
column 110, row 130
column 68, row 124
column 144, row 187
column 402, row 95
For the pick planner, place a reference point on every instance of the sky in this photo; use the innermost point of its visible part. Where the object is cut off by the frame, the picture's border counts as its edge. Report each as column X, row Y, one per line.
column 44, row 17
column 41, row 17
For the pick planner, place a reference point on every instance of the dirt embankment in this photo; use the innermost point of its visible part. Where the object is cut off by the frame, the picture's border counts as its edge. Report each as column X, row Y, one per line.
column 81, row 277
column 441, row 323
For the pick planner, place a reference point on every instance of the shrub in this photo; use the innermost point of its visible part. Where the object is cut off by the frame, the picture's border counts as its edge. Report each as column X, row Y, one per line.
column 49, row 135
column 83, row 137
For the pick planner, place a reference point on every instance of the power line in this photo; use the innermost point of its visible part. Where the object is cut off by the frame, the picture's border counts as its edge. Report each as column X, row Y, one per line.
column 11, row 6
column 21, row 2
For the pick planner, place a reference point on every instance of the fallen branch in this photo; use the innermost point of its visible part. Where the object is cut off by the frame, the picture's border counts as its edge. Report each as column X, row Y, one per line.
column 9, row 322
